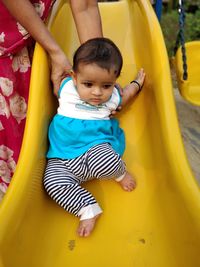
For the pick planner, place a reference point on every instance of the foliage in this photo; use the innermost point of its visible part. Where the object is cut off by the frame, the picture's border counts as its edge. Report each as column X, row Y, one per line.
column 193, row 26
column 170, row 27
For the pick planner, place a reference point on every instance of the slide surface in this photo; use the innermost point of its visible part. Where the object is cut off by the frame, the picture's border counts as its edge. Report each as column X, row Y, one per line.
column 158, row 224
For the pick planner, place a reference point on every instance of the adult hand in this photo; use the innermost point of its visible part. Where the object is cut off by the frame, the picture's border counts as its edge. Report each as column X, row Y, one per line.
column 60, row 68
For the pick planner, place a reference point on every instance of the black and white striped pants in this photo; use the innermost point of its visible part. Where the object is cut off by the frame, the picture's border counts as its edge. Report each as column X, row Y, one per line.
column 62, row 178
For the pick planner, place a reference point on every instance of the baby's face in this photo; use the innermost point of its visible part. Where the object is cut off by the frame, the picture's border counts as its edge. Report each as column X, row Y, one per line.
column 94, row 84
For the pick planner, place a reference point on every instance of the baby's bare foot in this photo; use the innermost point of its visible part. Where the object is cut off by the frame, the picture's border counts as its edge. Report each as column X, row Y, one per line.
column 128, row 183
column 86, row 226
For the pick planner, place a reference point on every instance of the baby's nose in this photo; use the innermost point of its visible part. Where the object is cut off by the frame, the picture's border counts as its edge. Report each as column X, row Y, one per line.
column 97, row 91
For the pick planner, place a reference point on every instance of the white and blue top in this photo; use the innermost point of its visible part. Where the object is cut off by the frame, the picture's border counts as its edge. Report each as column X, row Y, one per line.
column 78, row 126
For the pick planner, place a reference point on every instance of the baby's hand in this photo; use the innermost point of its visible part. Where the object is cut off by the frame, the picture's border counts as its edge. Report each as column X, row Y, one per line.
column 115, row 111
column 140, row 78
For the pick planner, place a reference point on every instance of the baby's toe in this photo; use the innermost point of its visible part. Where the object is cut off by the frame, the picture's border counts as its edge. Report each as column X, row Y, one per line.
column 80, row 231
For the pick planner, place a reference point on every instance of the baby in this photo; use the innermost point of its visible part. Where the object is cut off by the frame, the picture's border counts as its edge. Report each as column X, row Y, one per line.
column 85, row 143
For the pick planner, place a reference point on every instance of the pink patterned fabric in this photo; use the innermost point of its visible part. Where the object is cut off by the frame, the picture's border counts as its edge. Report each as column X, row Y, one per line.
column 16, row 48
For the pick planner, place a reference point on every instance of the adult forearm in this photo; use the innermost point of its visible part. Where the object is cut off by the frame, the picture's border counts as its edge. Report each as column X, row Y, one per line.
column 24, row 12
column 87, row 19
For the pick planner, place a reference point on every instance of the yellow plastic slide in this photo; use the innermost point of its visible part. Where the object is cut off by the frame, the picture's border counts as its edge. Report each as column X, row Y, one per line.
column 157, row 225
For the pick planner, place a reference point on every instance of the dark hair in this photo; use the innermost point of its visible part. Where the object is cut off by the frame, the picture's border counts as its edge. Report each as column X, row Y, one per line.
column 101, row 51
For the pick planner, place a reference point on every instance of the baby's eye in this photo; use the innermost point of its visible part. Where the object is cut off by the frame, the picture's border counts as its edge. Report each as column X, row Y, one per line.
column 87, row 84
column 107, row 86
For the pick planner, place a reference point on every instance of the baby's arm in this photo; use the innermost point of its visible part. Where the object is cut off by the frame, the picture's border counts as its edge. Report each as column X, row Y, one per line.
column 133, row 88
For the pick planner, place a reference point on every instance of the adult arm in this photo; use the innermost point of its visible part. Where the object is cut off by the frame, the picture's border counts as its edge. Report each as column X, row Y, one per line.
column 24, row 12
column 88, row 23
column 87, row 19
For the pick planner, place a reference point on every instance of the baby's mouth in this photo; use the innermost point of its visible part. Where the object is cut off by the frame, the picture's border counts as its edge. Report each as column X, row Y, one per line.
column 96, row 100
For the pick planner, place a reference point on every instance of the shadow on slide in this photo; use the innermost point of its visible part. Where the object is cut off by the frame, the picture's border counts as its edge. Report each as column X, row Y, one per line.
column 158, row 224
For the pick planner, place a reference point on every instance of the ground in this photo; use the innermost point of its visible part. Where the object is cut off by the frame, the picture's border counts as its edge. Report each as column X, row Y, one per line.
column 189, row 121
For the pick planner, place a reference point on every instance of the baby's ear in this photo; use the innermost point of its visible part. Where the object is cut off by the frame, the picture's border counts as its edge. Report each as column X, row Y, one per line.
column 74, row 77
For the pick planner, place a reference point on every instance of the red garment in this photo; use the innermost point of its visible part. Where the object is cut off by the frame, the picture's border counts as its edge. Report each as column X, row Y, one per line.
column 16, row 48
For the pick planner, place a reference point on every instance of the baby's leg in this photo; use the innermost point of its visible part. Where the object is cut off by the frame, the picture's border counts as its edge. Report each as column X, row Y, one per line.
column 65, row 189
column 86, row 226
column 104, row 162
column 127, row 182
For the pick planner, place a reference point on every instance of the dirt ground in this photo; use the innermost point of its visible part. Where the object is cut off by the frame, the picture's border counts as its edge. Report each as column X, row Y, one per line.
column 189, row 121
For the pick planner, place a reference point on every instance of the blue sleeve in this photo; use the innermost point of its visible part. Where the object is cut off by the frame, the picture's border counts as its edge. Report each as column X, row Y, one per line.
column 63, row 83
column 120, row 98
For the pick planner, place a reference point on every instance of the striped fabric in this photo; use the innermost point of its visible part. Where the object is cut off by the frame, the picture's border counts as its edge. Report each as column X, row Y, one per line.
column 63, row 178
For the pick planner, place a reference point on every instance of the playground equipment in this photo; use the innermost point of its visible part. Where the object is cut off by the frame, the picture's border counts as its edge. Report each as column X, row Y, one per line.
column 189, row 88
column 186, row 63
column 158, row 224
